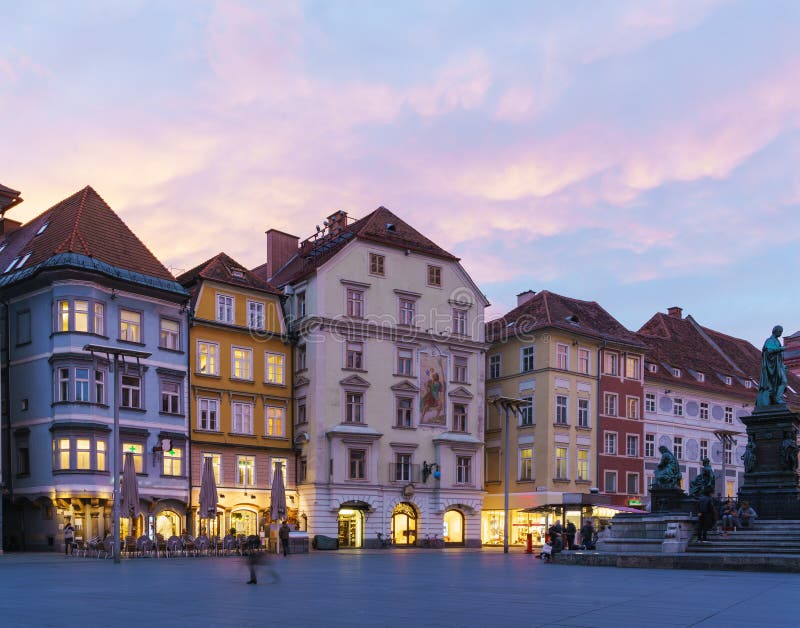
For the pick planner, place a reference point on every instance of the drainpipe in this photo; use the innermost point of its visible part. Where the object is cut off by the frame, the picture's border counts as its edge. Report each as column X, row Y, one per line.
column 5, row 447
column 599, row 403
column 188, row 425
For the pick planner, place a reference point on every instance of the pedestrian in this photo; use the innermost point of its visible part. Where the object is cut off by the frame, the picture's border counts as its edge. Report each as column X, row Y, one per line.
column 254, row 559
column 706, row 516
column 283, row 534
column 69, row 538
column 728, row 518
column 570, row 531
column 745, row 515
column 587, row 535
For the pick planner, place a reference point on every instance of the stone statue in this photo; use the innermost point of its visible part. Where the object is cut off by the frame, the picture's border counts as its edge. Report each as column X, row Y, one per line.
column 706, row 479
column 772, row 386
column 667, row 474
column 789, row 451
column 749, row 455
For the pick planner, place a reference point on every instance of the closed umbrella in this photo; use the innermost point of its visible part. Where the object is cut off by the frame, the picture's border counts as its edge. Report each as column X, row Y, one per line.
column 208, row 491
column 277, row 509
column 129, row 503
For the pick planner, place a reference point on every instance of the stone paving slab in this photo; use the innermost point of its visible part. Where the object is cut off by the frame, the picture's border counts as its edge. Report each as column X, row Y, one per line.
column 385, row 588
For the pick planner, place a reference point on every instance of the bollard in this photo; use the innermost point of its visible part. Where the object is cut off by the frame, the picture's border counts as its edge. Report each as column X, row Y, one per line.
column 529, row 544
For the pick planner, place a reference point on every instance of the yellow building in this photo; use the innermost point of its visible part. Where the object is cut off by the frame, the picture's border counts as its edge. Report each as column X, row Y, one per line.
column 545, row 352
column 240, row 393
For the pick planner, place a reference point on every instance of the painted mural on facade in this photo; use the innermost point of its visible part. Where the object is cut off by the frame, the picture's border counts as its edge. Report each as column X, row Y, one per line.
column 433, row 387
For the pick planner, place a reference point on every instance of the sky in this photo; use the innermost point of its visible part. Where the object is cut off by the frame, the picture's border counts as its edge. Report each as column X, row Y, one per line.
column 642, row 154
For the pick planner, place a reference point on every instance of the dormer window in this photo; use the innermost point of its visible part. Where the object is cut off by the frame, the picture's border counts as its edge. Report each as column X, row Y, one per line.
column 11, row 265
column 239, row 274
column 676, row 372
column 728, row 380
column 652, row 368
column 748, row 383
column 701, row 377
column 3, row 246
column 42, row 228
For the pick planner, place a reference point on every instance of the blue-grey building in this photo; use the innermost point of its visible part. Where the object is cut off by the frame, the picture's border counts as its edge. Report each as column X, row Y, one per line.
column 73, row 276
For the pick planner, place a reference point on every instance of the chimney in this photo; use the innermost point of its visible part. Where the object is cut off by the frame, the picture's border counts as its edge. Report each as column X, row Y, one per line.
column 7, row 226
column 280, row 247
column 337, row 221
column 524, row 297
column 675, row 311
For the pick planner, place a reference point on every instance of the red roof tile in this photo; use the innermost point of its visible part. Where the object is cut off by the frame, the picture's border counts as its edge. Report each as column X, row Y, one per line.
column 224, row 269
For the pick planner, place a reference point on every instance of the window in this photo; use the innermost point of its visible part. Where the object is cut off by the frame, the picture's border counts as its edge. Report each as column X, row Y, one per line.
column 376, row 264
column 561, row 409
column 137, row 452
column 82, row 384
column 74, row 315
column 282, row 464
column 703, row 449
column 610, row 363
column 255, row 315
column 676, row 372
column 611, row 481
column 632, row 366
column 63, row 384
column 170, row 397
column 85, row 452
column 275, row 368
column 463, row 469
column 701, row 377
column 632, row 446
column 459, row 417
column 583, row 361
column 526, row 411
column 170, row 334
column 633, row 483
column 354, row 355
column 610, row 404
column 357, row 463
column 100, row 452
column 302, row 469
column 246, row 470
column 173, row 461
column 610, row 442
column 727, row 451
column 526, row 463
column 100, row 386
column 225, row 308
column 301, row 358
column 527, row 359
column 583, row 413
column 583, row 464
column 402, row 467
column 354, row 407
column 677, row 406
column 633, row 407
column 242, row 418
column 355, row 303
column 561, row 463
column 242, row 363
column 728, row 414
column 460, row 370
column 131, row 391
column 208, row 414
column 649, row 445
column 459, row 322
column 207, row 358
column 407, row 311
column 12, row 264
column 435, row 276
column 649, row 402
column 704, row 410
column 404, row 407
column 728, row 380
column 301, row 304
column 301, row 412
column 405, row 361
column 23, row 328
column 276, row 422
column 562, row 357
column 494, row 366
column 216, row 465
column 130, row 326
column 678, row 447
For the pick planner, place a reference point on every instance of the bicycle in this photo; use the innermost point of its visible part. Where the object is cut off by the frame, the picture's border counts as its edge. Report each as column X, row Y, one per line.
column 385, row 541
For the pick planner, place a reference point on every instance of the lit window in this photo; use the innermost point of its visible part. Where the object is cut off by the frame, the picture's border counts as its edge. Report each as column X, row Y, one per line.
column 561, row 463
column 275, row 368
column 583, row 464
column 632, row 410
column 632, row 366
column 130, row 326
column 216, row 465
column 242, row 363
column 245, row 470
column 137, row 451
column 526, row 463
column 276, row 422
column 207, row 358
column 83, row 452
column 170, row 334
column 81, row 314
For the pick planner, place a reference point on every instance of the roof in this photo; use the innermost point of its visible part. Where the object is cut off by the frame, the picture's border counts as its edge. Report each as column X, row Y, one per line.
column 82, row 229
column 8, row 198
column 684, row 344
column 223, row 269
column 380, row 226
column 548, row 309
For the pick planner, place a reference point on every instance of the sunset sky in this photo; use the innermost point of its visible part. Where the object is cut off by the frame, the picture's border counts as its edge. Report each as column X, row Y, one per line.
column 642, row 154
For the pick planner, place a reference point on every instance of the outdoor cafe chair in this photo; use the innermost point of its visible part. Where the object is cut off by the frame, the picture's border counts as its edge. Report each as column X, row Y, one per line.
column 130, row 546
column 187, row 540
column 228, row 544
column 108, row 545
column 173, row 546
column 144, row 546
column 202, row 544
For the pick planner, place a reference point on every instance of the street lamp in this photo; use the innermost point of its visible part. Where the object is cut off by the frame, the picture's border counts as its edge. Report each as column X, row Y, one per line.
column 116, row 359
column 508, row 405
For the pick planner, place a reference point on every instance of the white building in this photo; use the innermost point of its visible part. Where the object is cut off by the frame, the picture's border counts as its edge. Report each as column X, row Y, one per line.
column 388, row 383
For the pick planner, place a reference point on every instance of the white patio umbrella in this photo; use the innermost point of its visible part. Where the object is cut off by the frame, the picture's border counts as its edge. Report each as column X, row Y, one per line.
column 208, row 492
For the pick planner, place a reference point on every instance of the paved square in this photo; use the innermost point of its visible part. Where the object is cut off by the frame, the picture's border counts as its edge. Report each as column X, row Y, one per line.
column 385, row 588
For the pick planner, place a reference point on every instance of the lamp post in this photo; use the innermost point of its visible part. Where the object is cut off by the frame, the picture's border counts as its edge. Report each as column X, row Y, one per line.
column 116, row 359
column 508, row 405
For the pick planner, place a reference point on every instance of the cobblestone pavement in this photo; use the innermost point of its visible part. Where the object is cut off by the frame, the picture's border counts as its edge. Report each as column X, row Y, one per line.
column 384, row 588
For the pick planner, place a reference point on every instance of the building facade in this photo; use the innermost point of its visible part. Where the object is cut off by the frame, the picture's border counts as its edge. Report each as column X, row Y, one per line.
column 389, row 380
column 240, row 394
column 75, row 276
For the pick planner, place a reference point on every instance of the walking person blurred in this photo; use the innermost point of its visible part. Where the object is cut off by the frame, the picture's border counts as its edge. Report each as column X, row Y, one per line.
column 283, row 534
column 254, row 559
column 706, row 515
column 69, row 538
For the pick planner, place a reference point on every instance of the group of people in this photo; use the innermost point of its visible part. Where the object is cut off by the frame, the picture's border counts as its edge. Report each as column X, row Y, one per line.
column 564, row 537
column 727, row 515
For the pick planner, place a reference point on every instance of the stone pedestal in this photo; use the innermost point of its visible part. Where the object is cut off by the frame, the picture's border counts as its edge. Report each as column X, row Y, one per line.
column 670, row 500
column 771, row 486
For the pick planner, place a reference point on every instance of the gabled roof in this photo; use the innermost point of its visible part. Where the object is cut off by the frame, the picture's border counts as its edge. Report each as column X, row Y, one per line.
column 223, row 269
column 8, row 198
column 548, row 309
column 380, row 226
column 80, row 226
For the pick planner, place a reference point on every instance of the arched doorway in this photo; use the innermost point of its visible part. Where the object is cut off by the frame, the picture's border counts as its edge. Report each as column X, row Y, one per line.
column 168, row 523
column 453, row 528
column 404, row 524
column 245, row 521
column 351, row 524
column 126, row 529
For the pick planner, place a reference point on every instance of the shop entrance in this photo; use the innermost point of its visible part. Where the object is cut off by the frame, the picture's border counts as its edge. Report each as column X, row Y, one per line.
column 244, row 521
column 404, row 524
column 453, row 528
column 126, row 529
column 351, row 527
column 168, row 523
